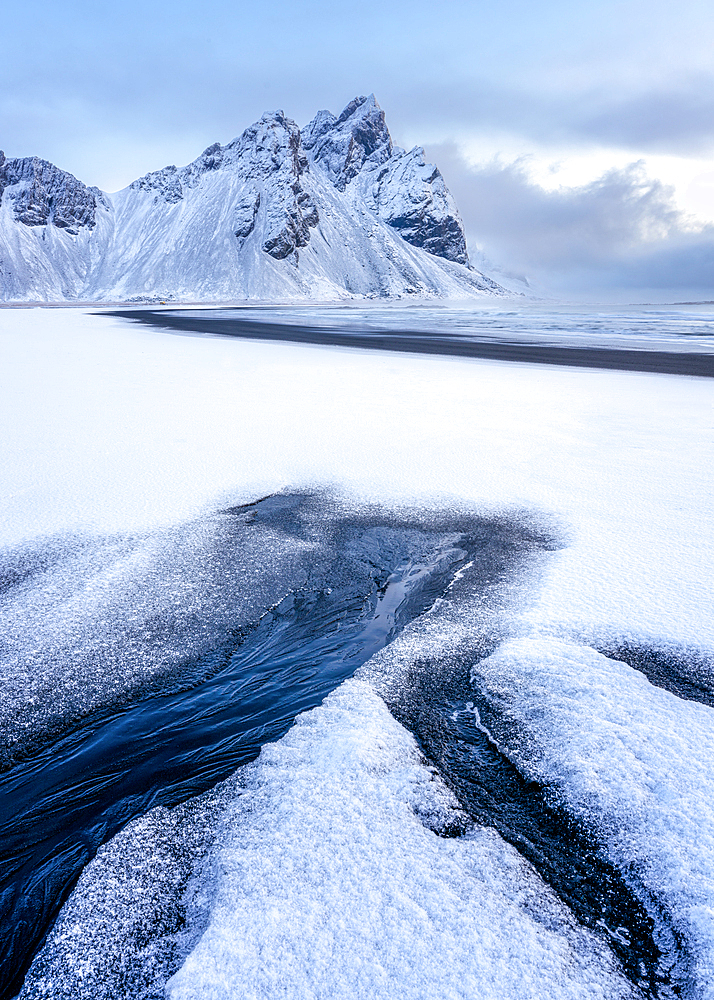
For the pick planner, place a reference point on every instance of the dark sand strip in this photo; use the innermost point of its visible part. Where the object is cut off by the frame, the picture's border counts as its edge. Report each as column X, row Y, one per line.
column 661, row 362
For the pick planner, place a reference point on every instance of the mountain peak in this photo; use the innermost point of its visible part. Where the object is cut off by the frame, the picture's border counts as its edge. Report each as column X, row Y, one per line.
column 333, row 211
column 343, row 145
column 41, row 194
column 355, row 149
column 362, row 104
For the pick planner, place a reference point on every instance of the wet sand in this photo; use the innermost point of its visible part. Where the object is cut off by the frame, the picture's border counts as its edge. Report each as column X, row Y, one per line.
column 619, row 359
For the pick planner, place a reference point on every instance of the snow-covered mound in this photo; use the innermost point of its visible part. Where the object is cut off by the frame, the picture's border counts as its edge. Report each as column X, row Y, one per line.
column 625, row 756
column 332, row 881
column 335, row 211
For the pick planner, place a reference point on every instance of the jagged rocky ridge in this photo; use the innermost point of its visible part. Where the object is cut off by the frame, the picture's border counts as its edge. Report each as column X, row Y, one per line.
column 333, row 211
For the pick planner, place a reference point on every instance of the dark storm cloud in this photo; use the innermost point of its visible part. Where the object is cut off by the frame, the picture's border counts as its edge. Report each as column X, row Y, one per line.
column 623, row 231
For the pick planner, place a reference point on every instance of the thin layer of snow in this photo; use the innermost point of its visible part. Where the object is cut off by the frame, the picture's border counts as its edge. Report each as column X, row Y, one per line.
column 125, row 615
column 109, row 427
column 632, row 761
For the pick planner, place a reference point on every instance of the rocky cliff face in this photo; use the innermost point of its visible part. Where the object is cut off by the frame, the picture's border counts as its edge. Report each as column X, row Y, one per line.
column 268, row 154
column 399, row 187
column 335, row 210
column 41, row 194
column 358, row 139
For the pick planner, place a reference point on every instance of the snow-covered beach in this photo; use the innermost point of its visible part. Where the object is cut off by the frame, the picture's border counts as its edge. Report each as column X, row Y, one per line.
column 322, row 869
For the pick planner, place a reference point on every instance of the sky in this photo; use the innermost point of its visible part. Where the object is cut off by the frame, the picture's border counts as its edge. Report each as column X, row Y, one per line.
column 578, row 139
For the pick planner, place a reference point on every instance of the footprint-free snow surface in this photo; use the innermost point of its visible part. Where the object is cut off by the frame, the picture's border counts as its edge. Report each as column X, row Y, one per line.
column 354, row 674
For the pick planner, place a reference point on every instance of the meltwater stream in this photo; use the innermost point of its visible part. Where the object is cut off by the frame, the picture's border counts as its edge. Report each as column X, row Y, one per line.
column 66, row 799
column 446, row 712
column 346, row 584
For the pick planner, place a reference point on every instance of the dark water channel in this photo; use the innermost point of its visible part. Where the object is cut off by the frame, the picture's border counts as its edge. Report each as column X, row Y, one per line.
column 59, row 805
column 369, row 576
column 450, row 719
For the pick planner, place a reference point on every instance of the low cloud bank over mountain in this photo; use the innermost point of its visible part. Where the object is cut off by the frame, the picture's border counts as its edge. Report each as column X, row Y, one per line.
column 621, row 235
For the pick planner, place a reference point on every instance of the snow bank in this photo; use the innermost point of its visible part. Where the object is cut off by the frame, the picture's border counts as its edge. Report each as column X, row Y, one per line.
column 632, row 761
column 332, row 883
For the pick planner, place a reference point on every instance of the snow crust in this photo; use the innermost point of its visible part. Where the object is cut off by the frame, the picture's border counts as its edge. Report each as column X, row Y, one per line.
column 633, row 761
column 122, row 931
column 331, row 885
column 96, row 622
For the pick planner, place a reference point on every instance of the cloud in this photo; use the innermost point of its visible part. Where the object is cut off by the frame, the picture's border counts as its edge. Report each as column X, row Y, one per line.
column 618, row 235
column 674, row 119
column 680, row 119
column 112, row 90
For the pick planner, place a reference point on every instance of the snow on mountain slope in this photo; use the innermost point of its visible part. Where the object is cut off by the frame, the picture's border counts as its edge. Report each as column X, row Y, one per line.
column 334, row 212
column 53, row 231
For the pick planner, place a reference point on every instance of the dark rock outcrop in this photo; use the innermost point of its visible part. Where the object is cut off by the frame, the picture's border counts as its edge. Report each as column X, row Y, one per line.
column 272, row 151
column 42, row 195
column 401, row 188
column 165, row 183
column 245, row 213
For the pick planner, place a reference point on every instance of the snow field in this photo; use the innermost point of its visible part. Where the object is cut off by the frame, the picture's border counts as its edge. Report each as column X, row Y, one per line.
column 110, row 428
column 325, row 876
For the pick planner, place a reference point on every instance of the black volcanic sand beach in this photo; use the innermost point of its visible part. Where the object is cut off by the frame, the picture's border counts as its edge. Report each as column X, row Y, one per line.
column 220, row 324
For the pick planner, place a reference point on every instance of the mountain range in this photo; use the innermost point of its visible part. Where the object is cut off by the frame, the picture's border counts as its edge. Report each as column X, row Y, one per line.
column 332, row 211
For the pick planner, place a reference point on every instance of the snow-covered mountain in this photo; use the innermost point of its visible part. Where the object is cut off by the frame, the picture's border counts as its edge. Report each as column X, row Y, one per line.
column 331, row 212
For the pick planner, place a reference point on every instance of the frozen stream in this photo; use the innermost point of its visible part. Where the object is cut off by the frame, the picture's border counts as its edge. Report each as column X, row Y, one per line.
column 511, row 797
column 64, row 800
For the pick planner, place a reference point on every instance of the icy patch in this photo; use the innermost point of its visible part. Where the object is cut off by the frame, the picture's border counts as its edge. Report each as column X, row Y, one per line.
column 328, row 883
column 631, row 761
column 122, row 932
column 92, row 622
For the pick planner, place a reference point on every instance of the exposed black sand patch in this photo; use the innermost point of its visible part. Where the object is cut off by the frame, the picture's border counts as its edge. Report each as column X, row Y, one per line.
column 659, row 362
